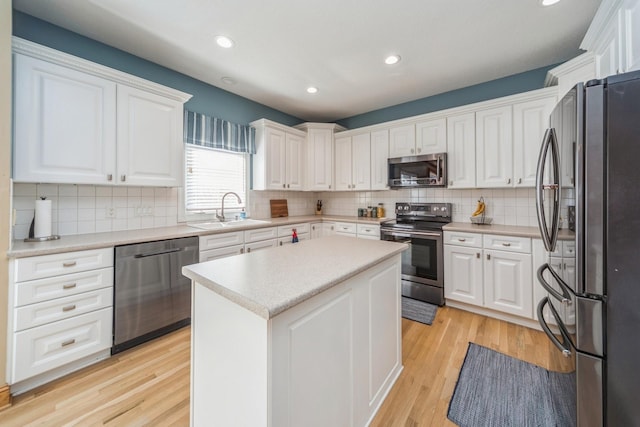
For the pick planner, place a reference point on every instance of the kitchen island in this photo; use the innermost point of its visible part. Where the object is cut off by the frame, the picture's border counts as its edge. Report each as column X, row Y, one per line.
column 305, row 334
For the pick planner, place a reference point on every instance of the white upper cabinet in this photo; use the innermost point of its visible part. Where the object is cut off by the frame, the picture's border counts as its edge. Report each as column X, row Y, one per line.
column 319, row 159
column 65, row 124
column 343, row 163
column 431, row 136
column 79, row 122
column 278, row 162
column 149, row 126
column 461, row 151
column 614, row 37
column 353, row 163
column 402, row 141
column 494, row 148
column 379, row 157
column 530, row 119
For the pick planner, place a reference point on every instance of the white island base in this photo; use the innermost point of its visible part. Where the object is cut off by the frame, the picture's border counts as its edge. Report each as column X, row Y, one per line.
column 329, row 360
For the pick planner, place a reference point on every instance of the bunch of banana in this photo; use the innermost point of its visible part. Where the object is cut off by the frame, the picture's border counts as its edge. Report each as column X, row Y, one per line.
column 479, row 209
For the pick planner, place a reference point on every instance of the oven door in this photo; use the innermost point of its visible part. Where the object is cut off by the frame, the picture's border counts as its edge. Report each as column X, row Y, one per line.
column 422, row 264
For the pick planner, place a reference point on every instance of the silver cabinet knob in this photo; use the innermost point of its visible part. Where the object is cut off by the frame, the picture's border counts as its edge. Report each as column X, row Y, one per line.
column 519, row 180
column 123, row 178
column 284, row 185
column 419, row 150
column 110, row 177
column 412, row 151
column 508, row 180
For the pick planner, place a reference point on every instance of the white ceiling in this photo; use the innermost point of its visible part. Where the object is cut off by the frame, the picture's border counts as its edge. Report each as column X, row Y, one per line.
column 284, row 46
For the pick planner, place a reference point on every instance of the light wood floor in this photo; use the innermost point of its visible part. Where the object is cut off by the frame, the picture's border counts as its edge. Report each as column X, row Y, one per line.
column 149, row 385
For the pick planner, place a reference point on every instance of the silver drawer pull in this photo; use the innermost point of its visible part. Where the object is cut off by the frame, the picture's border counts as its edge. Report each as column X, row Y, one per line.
column 506, row 244
column 69, row 264
column 68, row 342
column 69, row 307
column 69, row 286
column 462, row 240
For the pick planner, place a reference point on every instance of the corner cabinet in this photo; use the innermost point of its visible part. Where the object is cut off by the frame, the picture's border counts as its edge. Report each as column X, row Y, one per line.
column 279, row 159
column 82, row 123
column 319, row 155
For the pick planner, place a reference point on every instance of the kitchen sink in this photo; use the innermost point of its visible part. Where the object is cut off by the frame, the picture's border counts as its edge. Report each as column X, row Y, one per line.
column 216, row 225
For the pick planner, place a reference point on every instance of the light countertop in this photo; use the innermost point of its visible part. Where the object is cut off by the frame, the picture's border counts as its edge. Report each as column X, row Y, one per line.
column 271, row 281
column 510, row 230
column 80, row 242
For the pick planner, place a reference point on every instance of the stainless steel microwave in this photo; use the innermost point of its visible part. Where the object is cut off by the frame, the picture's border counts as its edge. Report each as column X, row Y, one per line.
column 429, row 170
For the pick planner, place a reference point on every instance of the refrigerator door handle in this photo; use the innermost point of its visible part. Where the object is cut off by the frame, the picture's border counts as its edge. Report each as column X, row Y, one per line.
column 565, row 345
column 549, row 142
column 565, row 296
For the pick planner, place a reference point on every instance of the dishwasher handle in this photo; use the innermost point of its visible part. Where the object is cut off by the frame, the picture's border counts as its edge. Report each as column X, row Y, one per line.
column 166, row 251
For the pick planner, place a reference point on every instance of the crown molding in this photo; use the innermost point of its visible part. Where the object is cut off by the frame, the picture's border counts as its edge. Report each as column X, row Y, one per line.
column 571, row 65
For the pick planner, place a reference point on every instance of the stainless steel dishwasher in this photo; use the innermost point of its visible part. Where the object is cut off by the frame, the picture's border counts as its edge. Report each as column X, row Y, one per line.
column 151, row 296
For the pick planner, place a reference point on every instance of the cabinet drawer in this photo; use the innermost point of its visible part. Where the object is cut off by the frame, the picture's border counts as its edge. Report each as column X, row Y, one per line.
column 287, row 240
column 287, row 230
column 346, row 227
column 56, row 344
column 260, row 234
column 368, row 230
column 221, row 253
column 62, row 286
column 62, row 308
column 38, row 267
column 460, row 238
column 507, row 243
column 568, row 249
column 264, row 244
column 221, row 240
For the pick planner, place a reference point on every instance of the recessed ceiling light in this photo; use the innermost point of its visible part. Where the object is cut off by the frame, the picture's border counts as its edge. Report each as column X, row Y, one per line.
column 224, row 42
column 312, row 89
column 228, row 80
column 392, row 59
column 549, row 2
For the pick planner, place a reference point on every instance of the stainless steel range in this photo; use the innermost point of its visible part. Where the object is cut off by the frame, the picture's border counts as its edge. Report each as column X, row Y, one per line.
column 420, row 225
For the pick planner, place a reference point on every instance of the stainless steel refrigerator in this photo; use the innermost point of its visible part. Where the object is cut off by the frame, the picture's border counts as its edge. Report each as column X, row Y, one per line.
column 590, row 157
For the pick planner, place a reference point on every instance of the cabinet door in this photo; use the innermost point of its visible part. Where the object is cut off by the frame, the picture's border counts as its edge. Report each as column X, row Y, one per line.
column 494, row 145
column 608, row 51
column 316, row 230
column 379, row 160
column 361, row 161
column 275, row 159
column 343, row 163
column 258, row 246
column 530, row 120
column 294, row 158
column 319, row 159
column 402, row 141
column 631, row 35
column 461, row 151
column 150, row 139
column 508, row 282
column 328, row 229
column 431, row 136
column 463, row 274
column 64, row 125
column 568, row 135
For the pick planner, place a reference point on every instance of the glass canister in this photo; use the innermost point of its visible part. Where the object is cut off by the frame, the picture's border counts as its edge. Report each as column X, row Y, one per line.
column 381, row 210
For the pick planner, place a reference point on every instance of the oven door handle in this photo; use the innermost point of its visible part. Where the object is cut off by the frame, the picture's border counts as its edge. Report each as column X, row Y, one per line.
column 411, row 234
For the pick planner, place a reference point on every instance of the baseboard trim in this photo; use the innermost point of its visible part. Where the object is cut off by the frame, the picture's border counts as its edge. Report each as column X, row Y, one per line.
column 5, row 397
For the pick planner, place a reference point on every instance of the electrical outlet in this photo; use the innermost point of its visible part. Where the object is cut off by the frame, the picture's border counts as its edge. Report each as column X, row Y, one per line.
column 110, row 212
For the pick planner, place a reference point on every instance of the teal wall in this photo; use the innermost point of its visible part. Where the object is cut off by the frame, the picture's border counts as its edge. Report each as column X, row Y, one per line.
column 206, row 99
column 217, row 102
column 523, row 82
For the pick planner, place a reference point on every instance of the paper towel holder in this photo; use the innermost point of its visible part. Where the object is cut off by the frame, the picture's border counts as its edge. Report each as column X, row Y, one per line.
column 32, row 237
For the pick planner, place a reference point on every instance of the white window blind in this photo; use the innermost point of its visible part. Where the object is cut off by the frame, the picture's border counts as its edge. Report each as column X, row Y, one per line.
column 211, row 173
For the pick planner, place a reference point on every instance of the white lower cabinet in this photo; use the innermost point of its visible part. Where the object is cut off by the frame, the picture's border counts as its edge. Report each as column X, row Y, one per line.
column 478, row 274
column 260, row 238
column 328, row 228
column 316, row 230
column 214, row 246
column 368, row 231
column 347, row 229
column 60, row 315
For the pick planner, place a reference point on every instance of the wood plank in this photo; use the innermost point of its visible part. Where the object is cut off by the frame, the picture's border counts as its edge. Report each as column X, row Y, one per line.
column 149, row 384
column 5, row 397
column 279, row 208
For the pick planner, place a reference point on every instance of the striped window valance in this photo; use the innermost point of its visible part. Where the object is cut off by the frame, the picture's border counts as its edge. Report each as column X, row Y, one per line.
column 211, row 132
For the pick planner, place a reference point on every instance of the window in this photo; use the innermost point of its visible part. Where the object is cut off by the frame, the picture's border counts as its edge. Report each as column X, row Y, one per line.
column 209, row 174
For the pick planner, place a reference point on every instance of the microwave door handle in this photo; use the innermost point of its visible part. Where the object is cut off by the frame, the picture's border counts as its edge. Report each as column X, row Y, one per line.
column 565, row 345
column 438, row 169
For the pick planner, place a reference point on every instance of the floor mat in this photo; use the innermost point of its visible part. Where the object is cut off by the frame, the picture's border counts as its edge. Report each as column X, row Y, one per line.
column 419, row 311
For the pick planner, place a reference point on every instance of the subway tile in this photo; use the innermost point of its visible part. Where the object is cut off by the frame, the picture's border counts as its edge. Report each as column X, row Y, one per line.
column 47, row 190
column 86, row 191
column 85, row 227
column 67, row 190
column 104, row 225
column 104, row 191
column 68, row 228
column 22, row 189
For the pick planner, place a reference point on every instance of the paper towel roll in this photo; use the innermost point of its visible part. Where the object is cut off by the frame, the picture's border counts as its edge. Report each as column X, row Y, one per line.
column 42, row 226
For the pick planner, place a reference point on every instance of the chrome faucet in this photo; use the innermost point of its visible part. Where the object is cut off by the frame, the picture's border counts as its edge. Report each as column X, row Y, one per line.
column 221, row 217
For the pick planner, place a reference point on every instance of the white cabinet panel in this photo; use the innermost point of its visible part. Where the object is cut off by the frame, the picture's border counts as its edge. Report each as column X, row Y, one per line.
column 257, row 246
column 379, row 160
column 463, row 273
column 64, row 124
column 460, row 238
column 507, row 243
column 343, row 161
column 368, row 231
column 320, row 159
column 211, row 254
column 530, row 120
column 507, row 282
column 150, row 139
column 38, row 267
column 631, row 35
column 461, row 151
column 260, row 234
column 431, row 136
column 361, row 162
column 275, row 164
column 402, row 141
column 494, row 147
column 213, row 241
column 294, row 162
column 287, row 230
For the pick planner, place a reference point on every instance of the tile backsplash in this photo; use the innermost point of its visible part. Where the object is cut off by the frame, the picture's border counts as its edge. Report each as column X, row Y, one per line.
column 80, row 209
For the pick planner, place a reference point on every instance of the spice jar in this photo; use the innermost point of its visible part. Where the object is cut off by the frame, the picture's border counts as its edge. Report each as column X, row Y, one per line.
column 380, row 210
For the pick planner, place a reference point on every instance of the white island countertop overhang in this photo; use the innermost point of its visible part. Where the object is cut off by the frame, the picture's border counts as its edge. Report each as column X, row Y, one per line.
column 270, row 282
